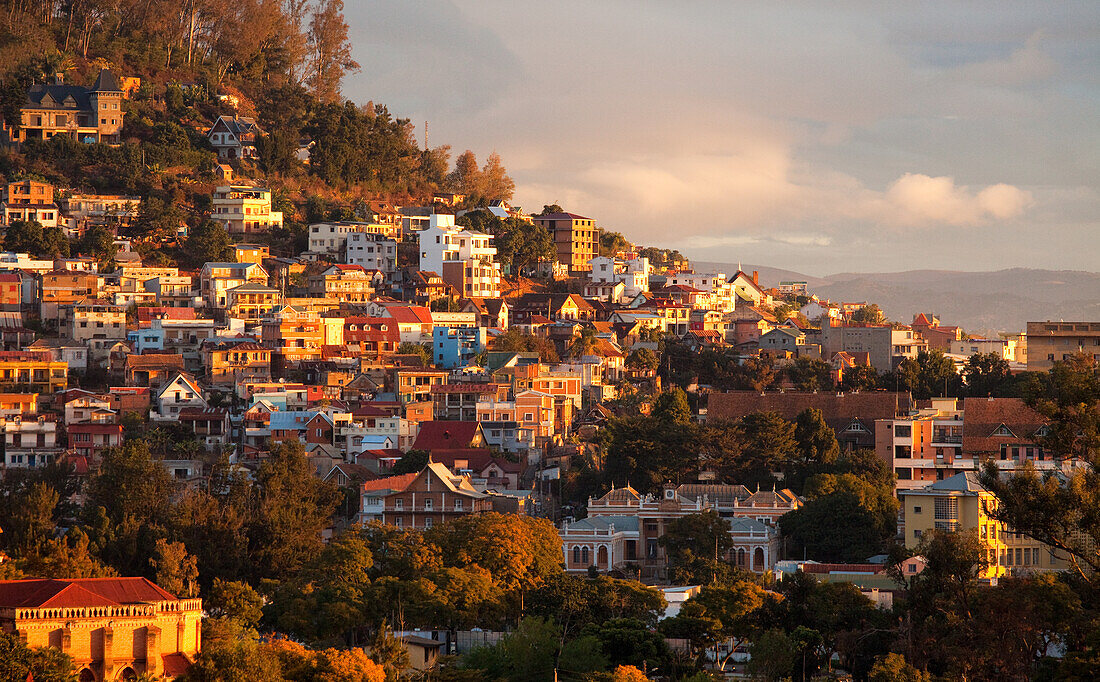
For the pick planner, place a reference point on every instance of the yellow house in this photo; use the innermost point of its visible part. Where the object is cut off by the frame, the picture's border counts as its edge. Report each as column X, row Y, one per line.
column 961, row 503
column 113, row 628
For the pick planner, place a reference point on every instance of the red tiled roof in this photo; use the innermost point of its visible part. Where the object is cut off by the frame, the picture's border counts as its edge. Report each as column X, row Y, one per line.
column 411, row 314
column 843, row 568
column 445, row 435
column 476, row 460
column 983, row 416
column 465, row 388
column 561, row 216
column 45, row 592
column 389, row 483
column 175, row 665
column 148, row 314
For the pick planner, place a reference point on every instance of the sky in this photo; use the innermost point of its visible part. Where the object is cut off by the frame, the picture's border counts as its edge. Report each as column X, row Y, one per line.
column 821, row 137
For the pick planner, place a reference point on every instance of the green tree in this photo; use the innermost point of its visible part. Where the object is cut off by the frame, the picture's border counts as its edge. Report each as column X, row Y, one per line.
column 769, row 445
column 44, row 664
column 515, row 341
column 99, row 243
column 236, row 600
column 534, row 651
column 834, row 528
column 930, row 373
column 209, row 242
column 894, row 668
column 412, row 462
column 816, row 440
column 627, row 641
column 23, row 235
column 985, row 374
column 869, row 314
column 860, row 378
column 292, row 507
column 810, row 374
column 32, row 522
column 420, row 350
column 773, row 656
column 642, row 358
column 522, row 245
column 176, row 570
column 695, row 546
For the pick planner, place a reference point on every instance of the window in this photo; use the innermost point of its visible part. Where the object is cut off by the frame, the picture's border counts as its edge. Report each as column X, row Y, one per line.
column 458, row 505
column 916, row 510
column 428, row 522
column 576, row 555
column 399, row 504
column 428, row 504
column 946, row 508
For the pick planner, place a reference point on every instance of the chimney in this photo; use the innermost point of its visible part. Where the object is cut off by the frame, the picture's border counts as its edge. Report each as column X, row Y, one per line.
column 756, row 278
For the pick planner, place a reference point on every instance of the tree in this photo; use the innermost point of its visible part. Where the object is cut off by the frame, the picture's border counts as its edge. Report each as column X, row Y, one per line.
column 99, row 243
column 412, row 462
column 515, row 341
column 534, row 651
column 236, row 600
column 209, row 242
column 894, row 668
column 985, row 374
column 834, row 528
column 860, row 378
column 23, row 235
column 330, row 50
column 628, row 642
column 642, row 358
column 810, row 374
column 768, row 445
column 292, row 507
column 32, row 522
column 176, row 570
column 522, row 245
column 930, row 373
column 695, row 545
column 648, row 452
column 466, row 177
column 494, row 180
column 44, row 664
column 869, row 314
column 671, row 407
column 773, row 656
column 815, row 438
column 422, row 351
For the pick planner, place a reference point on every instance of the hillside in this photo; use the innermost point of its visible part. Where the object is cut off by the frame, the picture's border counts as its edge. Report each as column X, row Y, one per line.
column 1003, row 300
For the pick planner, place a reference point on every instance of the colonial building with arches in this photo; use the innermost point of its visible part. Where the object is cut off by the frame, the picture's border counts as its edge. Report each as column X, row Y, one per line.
column 113, row 628
column 623, row 528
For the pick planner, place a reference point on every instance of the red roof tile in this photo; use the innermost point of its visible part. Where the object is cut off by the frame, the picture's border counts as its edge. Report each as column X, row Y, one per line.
column 39, row 592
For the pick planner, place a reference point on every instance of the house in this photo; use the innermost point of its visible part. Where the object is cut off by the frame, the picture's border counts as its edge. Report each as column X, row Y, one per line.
column 60, row 287
column 374, row 335
column 459, row 401
column 84, row 114
column 464, row 258
column 234, row 137
column 435, row 496
column 483, row 468
column 112, row 628
column 29, row 441
column 371, row 251
column 251, row 253
column 30, row 201
column 449, row 435
column 252, row 301
column 90, row 408
column 414, row 385
column 89, row 439
column 152, row 369
column 576, row 238
column 489, row 312
column 211, row 426
column 937, row 336
column 82, row 211
column 295, row 335
column 216, row 279
column 332, row 238
column 748, row 291
column 553, row 306
column 885, row 345
column 174, row 395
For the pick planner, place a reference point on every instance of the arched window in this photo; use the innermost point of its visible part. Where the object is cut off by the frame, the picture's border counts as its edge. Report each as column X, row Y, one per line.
column 576, row 555
column 584, row 556
column 741, row 556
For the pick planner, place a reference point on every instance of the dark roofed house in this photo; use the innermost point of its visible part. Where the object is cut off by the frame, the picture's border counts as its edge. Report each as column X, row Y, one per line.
column 234, row 137
column 851, row 415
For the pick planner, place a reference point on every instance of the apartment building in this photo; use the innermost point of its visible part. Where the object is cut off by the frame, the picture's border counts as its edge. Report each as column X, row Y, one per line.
column 252, row 301
column 332, row 238
column 465, row 259
column 61, row 287
column 29, row 441
column 216, row 279
column 576, row 239
column 344, row 283
column 460, row 402
column 962, row 503
column 233, row 363
column 294, row 335
column 885, row 346
column 371, row 251
column 82, row 211
column 457, row 346
column 32, row 371
column 414, row 385
column 31, row 201
column 251, row 253
column 1050, row 342
column 245, row 210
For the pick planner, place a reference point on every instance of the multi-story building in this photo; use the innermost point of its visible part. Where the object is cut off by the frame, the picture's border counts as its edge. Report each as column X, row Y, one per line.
column 31, row 201
column 29, row 441
column 344, row 283
column 961, row 503
column 332, row 238
column 1005, row 349
column 465, row 259
column 89, row 439
column 32, row 371
column 95, row 320
column 460, row 402
column 174, row 395
column 83, row 114
column 414, row 385
column 576, row 238
column 61, row 287
column 1050, row 342
column 232, row 363
column 111, row 628
column 457, row 346
column 252, row 301
column 216, row 279
column 375, row 335
column 245, row 210
column 81, row 211
column 293, row 335
column 885, row 345
column 435, row 496
column 372, row 251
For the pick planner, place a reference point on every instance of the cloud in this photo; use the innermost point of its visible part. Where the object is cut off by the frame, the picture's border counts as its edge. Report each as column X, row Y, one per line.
column 915, row 199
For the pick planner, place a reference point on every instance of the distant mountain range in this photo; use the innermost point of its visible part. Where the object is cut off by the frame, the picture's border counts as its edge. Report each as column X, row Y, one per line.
column 980, row 302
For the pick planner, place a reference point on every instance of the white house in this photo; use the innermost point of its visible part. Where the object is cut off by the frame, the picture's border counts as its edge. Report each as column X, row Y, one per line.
column 234, row 137
column 372, row 251
column 175, row 395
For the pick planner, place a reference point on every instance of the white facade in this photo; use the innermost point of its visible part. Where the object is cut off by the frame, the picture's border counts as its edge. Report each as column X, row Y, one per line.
column 372, row 251
column 443, row 242
column 243, row 209
column 332, row 237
